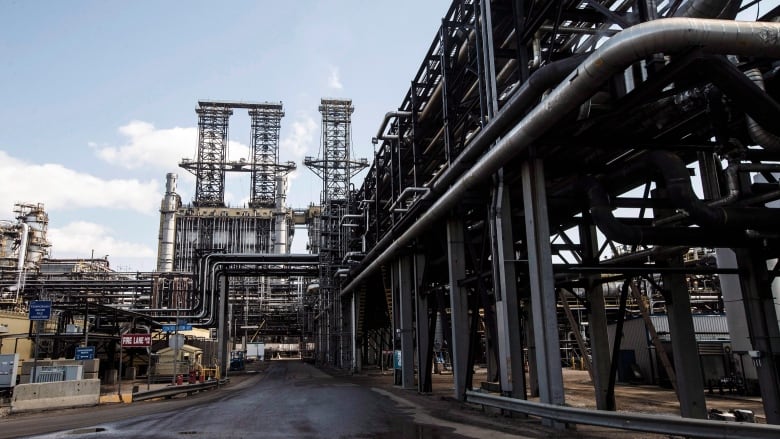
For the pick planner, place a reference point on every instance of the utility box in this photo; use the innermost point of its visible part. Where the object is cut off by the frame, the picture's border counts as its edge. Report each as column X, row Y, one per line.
column 8, row 366
column 255, row 351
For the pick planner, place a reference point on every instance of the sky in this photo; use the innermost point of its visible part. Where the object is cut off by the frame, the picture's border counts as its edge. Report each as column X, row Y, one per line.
column 98, row 98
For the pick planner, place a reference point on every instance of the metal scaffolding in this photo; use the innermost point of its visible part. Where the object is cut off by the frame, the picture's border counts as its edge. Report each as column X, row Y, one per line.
column 266, row 121
column 336, row 168
column 537, row 139
column 212, row 155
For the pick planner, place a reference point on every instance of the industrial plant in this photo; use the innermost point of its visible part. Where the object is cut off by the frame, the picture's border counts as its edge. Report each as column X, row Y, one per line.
column 573, row 184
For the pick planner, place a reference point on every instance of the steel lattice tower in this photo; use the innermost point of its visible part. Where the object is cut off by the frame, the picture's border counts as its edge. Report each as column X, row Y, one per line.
column 335, row 168
column 266, row 121
column 212, row 155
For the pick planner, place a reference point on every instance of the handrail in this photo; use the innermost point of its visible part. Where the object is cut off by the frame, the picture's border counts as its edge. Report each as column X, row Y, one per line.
column 168, row 392
column 645, row 422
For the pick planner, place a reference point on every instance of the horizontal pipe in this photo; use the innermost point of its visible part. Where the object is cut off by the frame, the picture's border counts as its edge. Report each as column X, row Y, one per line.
column 620, row 51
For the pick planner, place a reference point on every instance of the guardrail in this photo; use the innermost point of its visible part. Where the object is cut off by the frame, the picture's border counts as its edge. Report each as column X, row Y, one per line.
column 649, row 423
column 171, row 391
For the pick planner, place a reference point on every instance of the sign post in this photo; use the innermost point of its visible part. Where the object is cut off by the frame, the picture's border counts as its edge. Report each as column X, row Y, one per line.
column 85, row 353
column 131, row 341
column 40, row 311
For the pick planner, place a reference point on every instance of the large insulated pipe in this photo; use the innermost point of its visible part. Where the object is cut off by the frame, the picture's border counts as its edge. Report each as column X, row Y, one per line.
column 616, row 230
column 680, row 192
column 170, row 203
column 620, row 51
column 757, row 133
column 705, row 9
column 527, row 95
column 20, row 262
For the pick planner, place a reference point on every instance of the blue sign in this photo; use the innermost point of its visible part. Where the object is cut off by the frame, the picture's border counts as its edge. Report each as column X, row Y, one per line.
column 40, row 310
column 85, row 353
column 397, row 360
column 172, row 328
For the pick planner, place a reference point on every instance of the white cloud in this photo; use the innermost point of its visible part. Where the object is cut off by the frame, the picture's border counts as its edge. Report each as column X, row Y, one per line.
column 334, row 81
column 61, row 188
column 148, row 146
column 159, row 148
column 80, row 238
column 297, row 144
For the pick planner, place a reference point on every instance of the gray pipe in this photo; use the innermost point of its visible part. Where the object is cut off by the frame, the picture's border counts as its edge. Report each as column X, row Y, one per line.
column 633, row 44
column 703, row 9
column 758, row 134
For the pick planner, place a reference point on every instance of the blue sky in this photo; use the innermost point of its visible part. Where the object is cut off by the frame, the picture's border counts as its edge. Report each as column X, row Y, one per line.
column 98, row 99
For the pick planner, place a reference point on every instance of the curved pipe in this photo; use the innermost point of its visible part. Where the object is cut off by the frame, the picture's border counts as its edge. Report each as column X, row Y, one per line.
column 630, row 45
column 615, row 230
column 704, row 9
column 758, row 134
column 680, row 192
column 214, row 267
column 527, row 95
column 389, row 115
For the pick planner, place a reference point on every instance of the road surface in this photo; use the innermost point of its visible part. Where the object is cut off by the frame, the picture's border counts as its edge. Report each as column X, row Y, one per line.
column 289, row 400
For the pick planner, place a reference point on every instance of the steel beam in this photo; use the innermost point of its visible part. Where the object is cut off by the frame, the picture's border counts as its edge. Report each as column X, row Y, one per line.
column 406, row 313
column 459, row 305
column 597, row 321
column 423, row 333
column 537, row 230
column 685, row 351
column 763, row 328
column 510, row 350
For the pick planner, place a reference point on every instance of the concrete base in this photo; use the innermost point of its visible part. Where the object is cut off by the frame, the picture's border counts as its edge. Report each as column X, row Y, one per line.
column 60, row 394
column 113, row 398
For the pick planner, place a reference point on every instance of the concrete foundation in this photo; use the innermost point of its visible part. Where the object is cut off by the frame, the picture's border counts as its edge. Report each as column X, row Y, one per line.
column 61, row 394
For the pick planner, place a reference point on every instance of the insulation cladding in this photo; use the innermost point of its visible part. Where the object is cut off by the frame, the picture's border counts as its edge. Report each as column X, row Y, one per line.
column 233, row 230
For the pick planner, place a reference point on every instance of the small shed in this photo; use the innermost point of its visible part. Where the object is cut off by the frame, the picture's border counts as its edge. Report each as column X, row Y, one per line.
column 638, row 355
column 189, row 358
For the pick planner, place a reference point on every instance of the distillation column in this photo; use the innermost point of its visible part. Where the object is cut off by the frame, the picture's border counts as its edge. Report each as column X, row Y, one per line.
column 168, row 207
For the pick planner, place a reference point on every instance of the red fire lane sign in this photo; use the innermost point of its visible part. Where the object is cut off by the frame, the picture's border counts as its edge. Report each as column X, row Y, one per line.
column 136, row 340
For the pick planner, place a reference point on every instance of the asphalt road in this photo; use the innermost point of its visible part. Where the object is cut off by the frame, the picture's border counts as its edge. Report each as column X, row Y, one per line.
column 289, row 400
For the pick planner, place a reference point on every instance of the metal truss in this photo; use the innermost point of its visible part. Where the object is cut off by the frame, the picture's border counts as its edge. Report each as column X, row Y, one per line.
column 335, row 167
column 554, row 142
column 212, row 154
column 266, row 121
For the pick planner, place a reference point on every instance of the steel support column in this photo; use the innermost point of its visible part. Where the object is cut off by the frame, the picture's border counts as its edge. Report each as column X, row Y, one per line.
column 543, row 300
column 690, row 382
column 510, row 351
column 459, row 305
column 763, row 328
column 406, row 294
column 223, row 325
column 597, row 322
column 353, row 326
column 687, row 365
column 422, row 328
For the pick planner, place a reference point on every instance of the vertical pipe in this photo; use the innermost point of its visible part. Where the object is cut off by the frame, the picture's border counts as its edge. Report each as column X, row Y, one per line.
column 21, row 260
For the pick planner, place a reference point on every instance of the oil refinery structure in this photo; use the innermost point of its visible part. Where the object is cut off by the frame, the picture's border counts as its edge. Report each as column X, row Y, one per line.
column 556, row 173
